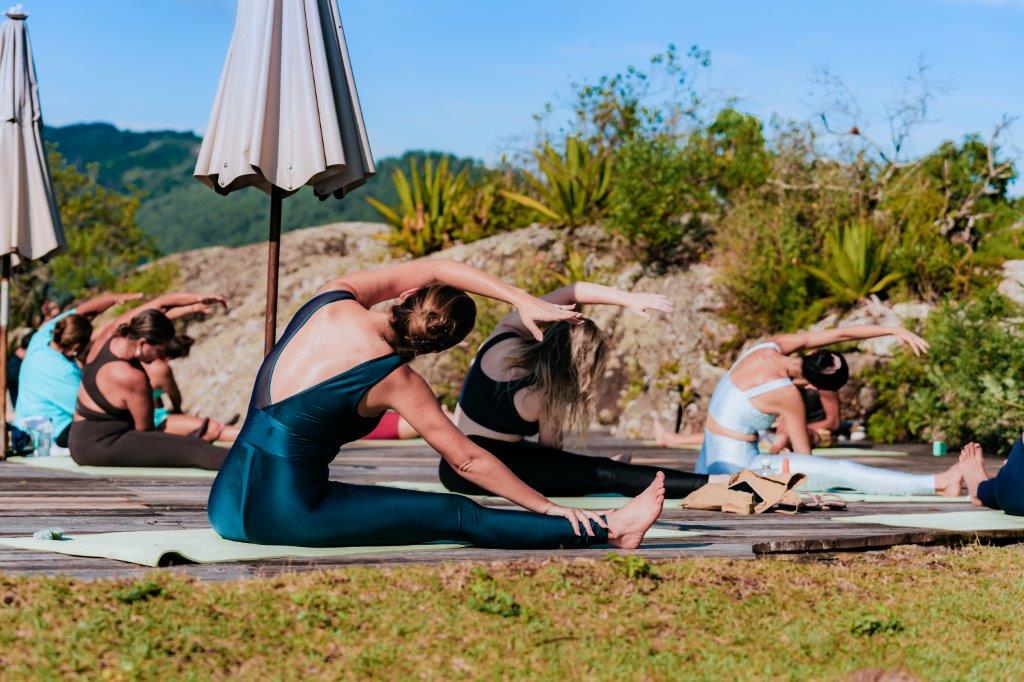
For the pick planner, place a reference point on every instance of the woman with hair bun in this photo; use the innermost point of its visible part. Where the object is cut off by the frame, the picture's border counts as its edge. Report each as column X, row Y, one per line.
column 519, row 387
column 763, row 385
column 338, row 366
column 113, row 423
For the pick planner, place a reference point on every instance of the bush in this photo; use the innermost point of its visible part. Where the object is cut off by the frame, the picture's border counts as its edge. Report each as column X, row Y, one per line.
column 653, row 203
column 970, row 386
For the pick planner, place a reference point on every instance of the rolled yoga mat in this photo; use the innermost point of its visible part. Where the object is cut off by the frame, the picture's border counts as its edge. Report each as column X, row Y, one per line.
column 204, row 546
column 983, row 519
column 898, row 499
column 64, row 463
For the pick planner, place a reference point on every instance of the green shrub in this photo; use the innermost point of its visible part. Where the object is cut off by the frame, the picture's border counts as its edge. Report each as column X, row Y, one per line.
column 576, row 183
column 430, row 206
column 653, row 204
column 855, row 265
column 970, row 385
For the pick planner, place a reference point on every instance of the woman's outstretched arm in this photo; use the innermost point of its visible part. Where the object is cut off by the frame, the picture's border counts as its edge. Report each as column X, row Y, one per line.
column 406, row 392
column 638, row 303
column 792, row 343
column 98, row 304
column 374, row 286
column 164, row 303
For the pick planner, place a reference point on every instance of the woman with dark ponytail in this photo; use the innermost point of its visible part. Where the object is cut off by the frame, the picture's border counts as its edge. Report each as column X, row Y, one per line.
column 519, row 387
column 338, row 366
column 763, row 385
column 113, row 423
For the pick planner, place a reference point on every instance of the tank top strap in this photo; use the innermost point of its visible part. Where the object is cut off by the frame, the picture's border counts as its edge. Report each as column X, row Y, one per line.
column 266, row 373
column 760, row 346
column 767, row 387
column 92, row 389
column 494, row 341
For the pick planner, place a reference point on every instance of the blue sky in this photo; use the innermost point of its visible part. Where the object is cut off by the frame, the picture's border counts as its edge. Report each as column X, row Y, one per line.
column 466, row 75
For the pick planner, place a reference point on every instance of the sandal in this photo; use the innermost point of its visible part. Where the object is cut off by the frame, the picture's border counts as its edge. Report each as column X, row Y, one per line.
column 824, row 502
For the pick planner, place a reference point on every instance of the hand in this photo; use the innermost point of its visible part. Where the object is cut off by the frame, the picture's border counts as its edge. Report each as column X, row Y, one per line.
column 577, row 517
column 206, row 299
column 533, row 310
column 639, row 304
column 126, row 297
column 915, row 343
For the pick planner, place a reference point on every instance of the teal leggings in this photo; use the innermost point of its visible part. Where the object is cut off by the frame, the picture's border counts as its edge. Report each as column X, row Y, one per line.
column 272, row 500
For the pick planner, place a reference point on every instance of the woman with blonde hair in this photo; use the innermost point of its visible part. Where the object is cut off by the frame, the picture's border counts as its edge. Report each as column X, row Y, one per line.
column 339, row 365
column 518, row 387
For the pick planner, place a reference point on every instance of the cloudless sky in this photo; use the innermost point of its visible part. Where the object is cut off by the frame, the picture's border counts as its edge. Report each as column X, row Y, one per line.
column 466, row 75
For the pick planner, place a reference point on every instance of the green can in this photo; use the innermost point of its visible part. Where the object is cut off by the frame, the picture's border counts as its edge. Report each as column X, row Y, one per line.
column 939, row 448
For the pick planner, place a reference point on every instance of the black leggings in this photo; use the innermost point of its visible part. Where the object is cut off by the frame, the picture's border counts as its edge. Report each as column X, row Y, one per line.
column 115, row 443
column 554, row 472
column 62, row 437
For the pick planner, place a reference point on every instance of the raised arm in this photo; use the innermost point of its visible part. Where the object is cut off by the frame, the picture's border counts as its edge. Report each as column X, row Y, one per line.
column 166, row 303
column 407, row 393
column 638, row 303
column 383, row 284
column 96, row 305
column 792, row 343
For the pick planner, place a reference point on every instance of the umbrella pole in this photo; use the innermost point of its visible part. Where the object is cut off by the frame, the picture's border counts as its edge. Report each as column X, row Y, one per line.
column 273, row 260
column 5, row 275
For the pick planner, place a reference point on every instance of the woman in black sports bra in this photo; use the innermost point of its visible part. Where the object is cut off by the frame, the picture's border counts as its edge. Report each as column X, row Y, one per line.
column 517, row 387
column 113, row 423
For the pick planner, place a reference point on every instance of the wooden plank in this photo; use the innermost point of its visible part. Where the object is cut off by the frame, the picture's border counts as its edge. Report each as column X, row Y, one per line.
column 889, row 539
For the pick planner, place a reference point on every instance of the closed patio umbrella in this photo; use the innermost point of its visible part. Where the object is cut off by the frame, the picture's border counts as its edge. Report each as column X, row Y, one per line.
column 29, row 221
column 286, row 115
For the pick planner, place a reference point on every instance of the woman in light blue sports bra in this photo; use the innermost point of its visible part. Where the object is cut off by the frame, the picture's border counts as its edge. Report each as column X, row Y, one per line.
column 762, row 385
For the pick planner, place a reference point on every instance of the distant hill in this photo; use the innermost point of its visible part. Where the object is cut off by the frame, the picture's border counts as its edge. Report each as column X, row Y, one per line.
column 182, row 214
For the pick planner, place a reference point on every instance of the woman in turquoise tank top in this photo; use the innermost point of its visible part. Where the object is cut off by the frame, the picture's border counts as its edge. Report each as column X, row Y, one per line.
column 762, row 385
column 338, row 366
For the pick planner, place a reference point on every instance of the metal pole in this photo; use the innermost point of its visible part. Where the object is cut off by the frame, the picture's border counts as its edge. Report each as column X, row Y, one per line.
column 273, row 261
column 5, row 301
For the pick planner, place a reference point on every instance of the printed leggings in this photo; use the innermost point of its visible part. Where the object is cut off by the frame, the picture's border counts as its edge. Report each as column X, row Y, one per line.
column 1006, row 490
column 557, row 473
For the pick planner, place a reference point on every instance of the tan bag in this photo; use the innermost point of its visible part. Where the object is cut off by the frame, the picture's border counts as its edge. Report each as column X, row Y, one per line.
column 748, row 492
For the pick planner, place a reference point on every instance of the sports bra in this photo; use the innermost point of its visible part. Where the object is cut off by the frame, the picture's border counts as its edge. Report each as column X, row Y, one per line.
column 489, row 402
column 731, row 407
column 89, row 374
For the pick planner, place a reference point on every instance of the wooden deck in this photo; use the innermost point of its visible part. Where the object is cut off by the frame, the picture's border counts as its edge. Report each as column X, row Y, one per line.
column 33, row 498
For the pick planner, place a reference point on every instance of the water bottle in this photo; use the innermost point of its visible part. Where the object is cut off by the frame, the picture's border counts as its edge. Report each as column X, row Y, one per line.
column 45, row 430
column 766, row 468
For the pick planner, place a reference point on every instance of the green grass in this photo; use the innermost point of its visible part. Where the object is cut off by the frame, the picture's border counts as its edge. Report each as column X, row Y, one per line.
column 937, row 615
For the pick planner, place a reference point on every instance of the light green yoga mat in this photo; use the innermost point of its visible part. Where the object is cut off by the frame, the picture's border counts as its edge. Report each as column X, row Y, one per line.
column 988, row 519
column 899, row 499
column 204, row 546
column 67, row 464
column 855, row 452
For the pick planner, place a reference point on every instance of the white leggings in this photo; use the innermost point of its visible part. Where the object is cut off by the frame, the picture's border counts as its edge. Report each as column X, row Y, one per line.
column 723, row 455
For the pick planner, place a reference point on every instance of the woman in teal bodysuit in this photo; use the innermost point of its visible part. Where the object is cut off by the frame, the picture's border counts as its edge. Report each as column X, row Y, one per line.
column 336, row 369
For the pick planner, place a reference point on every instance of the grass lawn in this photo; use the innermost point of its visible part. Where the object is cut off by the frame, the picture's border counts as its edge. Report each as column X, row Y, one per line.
column 933, row 614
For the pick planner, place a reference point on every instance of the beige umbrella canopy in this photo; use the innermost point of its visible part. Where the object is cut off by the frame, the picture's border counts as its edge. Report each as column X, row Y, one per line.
column 29, row 221
column 286, row 114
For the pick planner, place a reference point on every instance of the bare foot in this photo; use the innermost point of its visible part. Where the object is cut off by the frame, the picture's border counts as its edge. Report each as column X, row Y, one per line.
column 627, row 526
column 972, row 464
column 623, row 457
column 950, row 482
column 660, row 434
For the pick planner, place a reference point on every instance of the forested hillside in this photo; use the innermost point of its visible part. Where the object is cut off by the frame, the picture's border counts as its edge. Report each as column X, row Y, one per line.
column 180, row 213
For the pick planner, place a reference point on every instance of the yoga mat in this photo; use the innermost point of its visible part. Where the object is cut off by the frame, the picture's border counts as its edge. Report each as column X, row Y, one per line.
column 201, row 545
column 899, row 499
column 67, row 464
column 204, row 546
column 988, row 519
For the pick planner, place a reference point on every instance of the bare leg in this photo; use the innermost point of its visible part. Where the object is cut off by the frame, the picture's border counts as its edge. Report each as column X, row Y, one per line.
column 627, row 526
column 972, row 463
column 666, row 439
column 950, row 482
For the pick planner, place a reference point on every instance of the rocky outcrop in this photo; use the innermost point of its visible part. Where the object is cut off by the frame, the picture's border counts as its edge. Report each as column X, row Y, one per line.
column 669, row 364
